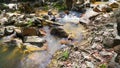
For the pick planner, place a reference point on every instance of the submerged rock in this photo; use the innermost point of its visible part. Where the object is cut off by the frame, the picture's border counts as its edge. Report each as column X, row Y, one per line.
column 59, row 32
column 31, row 48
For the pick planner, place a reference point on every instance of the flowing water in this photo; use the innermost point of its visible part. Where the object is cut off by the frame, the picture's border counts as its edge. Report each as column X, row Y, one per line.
column 13, row 57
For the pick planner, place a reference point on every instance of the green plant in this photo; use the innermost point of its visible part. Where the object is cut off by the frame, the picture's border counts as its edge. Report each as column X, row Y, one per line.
column 103, row 66
column 65, row 55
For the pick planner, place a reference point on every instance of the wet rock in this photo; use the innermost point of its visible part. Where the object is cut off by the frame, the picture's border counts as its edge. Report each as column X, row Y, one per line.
column 31, row 48
column 30, row 31
column 9, row 30
column 86, row 17
column 117, row 59
column 114, row 5
column 59, row 32
column 117, row 49
column 34, row 39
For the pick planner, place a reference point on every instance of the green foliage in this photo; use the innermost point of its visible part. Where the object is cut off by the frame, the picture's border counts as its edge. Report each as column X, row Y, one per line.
column 46, row 7
column 59, row 6
column 65, row 55
column 103, row 66
column 30, row 23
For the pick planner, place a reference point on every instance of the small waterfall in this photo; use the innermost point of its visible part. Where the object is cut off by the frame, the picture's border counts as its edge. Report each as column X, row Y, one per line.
column 112, row 0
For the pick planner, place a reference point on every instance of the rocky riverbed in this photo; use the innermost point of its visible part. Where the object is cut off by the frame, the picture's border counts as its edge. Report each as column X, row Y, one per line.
column 85, row 36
